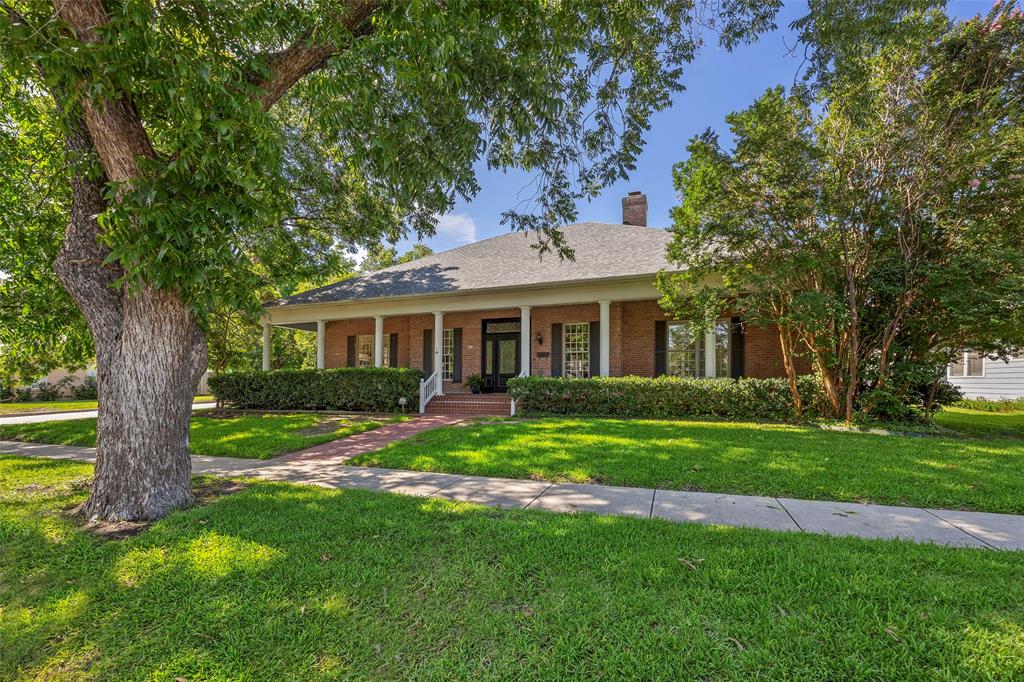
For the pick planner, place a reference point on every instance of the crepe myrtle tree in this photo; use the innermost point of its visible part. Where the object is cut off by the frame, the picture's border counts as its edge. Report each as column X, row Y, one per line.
column 874, row 219
column 203, row 144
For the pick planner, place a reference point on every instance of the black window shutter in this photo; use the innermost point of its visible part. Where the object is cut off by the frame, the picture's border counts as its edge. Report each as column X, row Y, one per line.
column 660, row 354
column 736, row 348
column 351, row 351
column 428, row 351
column 393, row 350
column 595, row 349
column 457, row 360
column 556, row 350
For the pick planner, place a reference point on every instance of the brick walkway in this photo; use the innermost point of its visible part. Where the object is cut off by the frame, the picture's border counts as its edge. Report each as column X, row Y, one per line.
column 369, row 441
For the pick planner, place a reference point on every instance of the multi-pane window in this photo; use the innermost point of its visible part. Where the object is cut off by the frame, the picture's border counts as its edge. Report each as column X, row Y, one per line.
column 693, row 352
column 685, row 350
column 448, row 355
column 722, row 336
column 576, row 350
column 364, row 351
column 967, row 364
column 502, row 327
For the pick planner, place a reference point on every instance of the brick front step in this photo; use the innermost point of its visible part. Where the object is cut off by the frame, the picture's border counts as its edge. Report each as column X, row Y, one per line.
column 481, row 405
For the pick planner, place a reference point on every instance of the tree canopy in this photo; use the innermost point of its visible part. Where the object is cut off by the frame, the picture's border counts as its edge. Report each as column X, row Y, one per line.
column 874, row 218
column 200, row 151
column 382, row 256
column 272, row 138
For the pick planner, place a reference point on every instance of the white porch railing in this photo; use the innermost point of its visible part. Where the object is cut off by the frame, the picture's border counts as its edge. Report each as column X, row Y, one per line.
column 513, row 410
column 429, row 387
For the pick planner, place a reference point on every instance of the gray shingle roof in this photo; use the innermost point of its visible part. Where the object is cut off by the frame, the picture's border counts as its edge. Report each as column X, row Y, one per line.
column 602, row 251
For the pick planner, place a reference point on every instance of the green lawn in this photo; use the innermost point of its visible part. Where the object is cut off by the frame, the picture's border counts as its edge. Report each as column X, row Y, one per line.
column 248, row 436
column 982, row 423
column 287, row 582
column 64, row 406
column 746, row 458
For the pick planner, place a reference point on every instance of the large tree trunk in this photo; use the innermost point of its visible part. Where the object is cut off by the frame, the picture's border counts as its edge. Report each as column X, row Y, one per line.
column 854, row 332
column 143, row 469
column 830, row 384
column 150, row 354
column 786, row 340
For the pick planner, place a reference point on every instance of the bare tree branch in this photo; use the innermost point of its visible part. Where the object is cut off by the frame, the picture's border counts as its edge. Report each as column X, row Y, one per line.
column 306, row 55
column 115, row 127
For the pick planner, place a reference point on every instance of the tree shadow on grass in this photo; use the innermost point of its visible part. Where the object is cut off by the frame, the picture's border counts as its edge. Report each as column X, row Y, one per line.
column 282, row 581
column 266, row 436
column 729, row 457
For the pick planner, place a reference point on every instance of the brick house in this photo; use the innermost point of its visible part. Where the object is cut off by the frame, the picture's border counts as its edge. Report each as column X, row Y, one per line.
column 493, row 308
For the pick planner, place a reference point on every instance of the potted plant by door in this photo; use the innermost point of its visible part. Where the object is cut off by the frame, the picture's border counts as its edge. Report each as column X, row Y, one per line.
column 475, row 382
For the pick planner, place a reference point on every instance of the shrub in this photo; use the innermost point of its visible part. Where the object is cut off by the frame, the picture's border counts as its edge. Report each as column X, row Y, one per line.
column 920, row 385
column 371, row 389
column 87, row 390
column 47, row 392
column 663, row 397
column 6, row 388
column 886, row 406
column 986, row 405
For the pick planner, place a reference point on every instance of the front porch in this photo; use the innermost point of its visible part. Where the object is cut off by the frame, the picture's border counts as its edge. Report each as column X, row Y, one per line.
column 496, row 344
column 605, row 337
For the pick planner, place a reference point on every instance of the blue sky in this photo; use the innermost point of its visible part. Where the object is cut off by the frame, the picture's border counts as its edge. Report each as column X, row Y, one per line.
column 717, row 83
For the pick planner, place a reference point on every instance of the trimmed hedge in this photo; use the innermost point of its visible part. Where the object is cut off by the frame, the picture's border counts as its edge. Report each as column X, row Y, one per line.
column 663, row 397
column 369, row 389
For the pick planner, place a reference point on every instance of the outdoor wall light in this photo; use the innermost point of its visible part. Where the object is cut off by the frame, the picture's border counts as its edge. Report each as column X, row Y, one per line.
column 540, row 339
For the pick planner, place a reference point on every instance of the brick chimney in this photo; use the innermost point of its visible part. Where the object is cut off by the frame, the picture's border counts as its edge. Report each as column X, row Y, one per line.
column 634, row 209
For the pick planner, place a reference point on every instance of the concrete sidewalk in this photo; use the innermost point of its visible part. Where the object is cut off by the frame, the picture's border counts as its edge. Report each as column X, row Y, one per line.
column 944, row 527
column 70, row 414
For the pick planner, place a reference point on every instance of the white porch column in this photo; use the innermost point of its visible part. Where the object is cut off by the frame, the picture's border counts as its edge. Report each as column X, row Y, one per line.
column 439, row 344
column 524, row 340
column 709, row 354
column 378, row 341
column 605, row 336
column 266, row 346
column 321, row 343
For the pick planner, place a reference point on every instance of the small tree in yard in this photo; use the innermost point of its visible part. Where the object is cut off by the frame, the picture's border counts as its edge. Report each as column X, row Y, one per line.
column 875, row 219
column 193, row 149
column 383, row 256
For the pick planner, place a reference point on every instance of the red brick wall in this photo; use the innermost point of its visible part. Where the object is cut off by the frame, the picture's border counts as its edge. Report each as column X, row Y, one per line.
column 631, row 330
column 541, row 320
column 338, row 331
column 762, row 352
column 410, row 338
column 762, row 356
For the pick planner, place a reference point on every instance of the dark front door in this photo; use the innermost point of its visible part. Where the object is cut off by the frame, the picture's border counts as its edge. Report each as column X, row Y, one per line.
column 501, row 360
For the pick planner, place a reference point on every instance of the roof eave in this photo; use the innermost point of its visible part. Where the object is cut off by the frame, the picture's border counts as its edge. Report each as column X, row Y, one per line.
column 463, row 292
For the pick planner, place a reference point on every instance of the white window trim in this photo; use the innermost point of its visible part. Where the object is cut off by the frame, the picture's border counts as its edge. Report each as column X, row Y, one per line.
column 385, row 361
column 964, row 362
column 565, row 353
column 360, row 342
column 710, row 348
column 448, row 358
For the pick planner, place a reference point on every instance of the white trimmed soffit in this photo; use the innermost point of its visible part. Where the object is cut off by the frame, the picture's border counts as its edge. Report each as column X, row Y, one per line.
column 590, row 291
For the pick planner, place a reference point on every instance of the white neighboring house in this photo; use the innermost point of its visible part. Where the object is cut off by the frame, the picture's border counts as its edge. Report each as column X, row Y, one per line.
column 981, row 377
